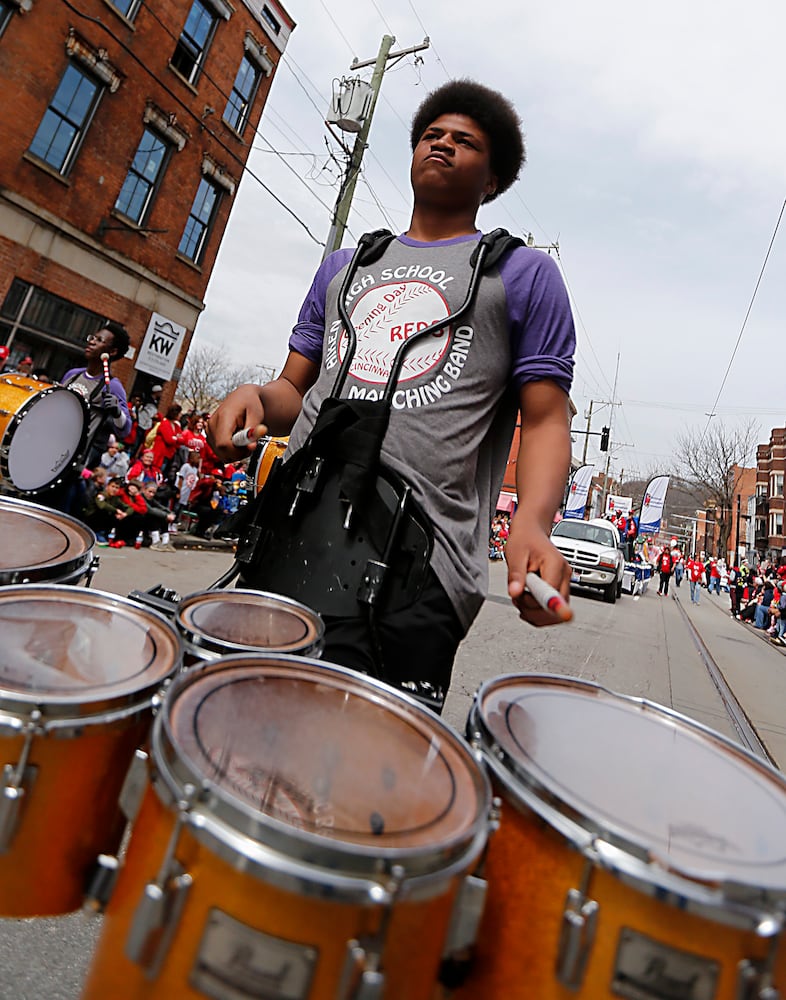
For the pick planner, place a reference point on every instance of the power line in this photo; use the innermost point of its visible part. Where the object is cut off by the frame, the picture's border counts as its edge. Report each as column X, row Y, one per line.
column 745, row 321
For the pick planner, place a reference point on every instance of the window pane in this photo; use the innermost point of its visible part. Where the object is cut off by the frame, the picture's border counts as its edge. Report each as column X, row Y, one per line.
column 243, row 91
column 190, row 49
column 138, row 187
column 66, row 119
column 127, row 8
column 197, row 228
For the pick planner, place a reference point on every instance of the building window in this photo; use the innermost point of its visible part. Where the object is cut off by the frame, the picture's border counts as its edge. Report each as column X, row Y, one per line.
column 200, row 221
column 242, row 97
column 273, row 23
column 195, row 39
column 66, row 120
column 128, row 8
column 776, row 484
column 6, row 10
column 776, row 522
column 143, row 177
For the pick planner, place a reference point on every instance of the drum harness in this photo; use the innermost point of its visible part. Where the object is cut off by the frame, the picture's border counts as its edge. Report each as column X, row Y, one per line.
column 375, row 541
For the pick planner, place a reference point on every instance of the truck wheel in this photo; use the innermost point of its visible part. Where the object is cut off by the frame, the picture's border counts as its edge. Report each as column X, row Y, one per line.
column 619, row 589
column 610, row 593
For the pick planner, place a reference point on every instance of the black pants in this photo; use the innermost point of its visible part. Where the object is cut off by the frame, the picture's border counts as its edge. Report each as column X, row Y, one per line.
column 663, row 588
column 417, row 646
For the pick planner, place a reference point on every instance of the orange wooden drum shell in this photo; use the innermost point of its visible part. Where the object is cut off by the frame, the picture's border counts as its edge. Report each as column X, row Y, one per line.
column 530, row 870
column 69, row 816
column 414, row 940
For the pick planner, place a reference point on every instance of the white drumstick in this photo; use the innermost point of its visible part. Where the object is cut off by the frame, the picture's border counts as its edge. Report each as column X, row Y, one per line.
column 549, row 598
column 249, row 435
column 105, row 363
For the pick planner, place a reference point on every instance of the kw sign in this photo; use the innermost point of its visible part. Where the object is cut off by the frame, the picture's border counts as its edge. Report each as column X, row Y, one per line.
column 160, row 348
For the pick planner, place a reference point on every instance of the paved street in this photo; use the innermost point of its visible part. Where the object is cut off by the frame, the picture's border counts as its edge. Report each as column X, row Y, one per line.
column 640, row 646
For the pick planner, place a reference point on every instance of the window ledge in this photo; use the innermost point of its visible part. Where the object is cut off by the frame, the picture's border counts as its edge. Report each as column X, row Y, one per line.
column 182, row 79
column 134, row 227
column 232, row 130
column 188, row 262
column 47, row 169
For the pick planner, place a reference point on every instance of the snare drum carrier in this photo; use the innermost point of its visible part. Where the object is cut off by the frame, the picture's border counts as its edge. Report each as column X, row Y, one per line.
column 333, row 527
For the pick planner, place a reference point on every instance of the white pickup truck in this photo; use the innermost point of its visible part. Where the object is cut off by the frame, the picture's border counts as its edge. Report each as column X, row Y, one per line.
column 592, row 548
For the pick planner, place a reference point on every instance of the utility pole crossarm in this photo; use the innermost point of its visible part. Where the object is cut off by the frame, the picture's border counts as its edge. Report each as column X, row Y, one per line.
column 393, row 55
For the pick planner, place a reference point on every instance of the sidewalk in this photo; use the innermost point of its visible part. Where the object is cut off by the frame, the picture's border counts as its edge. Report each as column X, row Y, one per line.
column 721, row 602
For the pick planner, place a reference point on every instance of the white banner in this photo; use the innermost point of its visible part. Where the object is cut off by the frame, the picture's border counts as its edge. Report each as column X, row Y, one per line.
column 652, row 505
column 577, row 492
column 158, row 354
column 618, row 505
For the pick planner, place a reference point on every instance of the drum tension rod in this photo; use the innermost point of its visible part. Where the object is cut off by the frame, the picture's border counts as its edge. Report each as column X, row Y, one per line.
column 579, row 921
column 363, row 977
column 159, row 909
column 17, row 779
column 755, row 979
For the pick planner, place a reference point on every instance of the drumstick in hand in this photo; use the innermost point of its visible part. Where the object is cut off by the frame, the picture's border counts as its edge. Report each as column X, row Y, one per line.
column 549, row 598
column 249, row 435
column 105, row 363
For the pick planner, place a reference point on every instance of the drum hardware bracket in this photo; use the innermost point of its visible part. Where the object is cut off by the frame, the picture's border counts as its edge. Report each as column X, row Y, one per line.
column 308, row 482
column 376, row 570
column 133, row 789
column 101, row 884
column 468, row 910
column 754, row 979
column 363, row 977
column 579, row 922
column 17, row 779
column 158, row 911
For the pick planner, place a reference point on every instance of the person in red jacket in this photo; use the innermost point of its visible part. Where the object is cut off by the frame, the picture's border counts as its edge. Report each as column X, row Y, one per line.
column 168, row 437
column 695, row 575
column 665, row 566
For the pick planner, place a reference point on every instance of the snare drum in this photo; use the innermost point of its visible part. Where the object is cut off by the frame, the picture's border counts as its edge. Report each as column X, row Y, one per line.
column 305, row 836
column 261, row 461
column 43, row 429
column 79, row 671
column 217, row 623
column 639, row 854
column 40, row 545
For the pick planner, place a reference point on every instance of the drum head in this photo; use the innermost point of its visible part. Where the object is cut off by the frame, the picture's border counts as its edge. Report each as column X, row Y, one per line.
column 639, row 774
column 228, row 621
column 324, row 752
column 37, row 543
column 46, row 438
column 64, row 646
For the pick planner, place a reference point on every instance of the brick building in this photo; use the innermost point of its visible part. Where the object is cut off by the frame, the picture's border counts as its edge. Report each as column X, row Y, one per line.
column 769, row 536
column 124, row 134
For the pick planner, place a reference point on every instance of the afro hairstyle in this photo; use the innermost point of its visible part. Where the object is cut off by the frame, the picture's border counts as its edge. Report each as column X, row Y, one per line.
column 495, row 115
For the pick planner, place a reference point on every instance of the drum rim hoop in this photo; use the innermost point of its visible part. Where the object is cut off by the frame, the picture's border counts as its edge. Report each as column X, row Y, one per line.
column 176, row 771
column 198, row 640
column 67, row 567
column 584, row 832
column 70, row 710
column 14, row 422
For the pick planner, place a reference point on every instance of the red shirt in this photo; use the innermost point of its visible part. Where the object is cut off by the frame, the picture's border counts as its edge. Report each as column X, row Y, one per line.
column 695, row 570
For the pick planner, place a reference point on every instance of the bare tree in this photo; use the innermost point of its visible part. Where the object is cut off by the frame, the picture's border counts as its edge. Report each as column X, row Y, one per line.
column 209, row 375
column 714, row 460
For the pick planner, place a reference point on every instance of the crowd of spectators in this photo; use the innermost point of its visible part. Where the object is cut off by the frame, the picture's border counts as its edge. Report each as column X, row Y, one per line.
column 498, row 535
column 158, row 481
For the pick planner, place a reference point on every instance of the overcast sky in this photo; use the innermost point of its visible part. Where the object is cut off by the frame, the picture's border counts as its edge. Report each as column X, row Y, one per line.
column 656, row 162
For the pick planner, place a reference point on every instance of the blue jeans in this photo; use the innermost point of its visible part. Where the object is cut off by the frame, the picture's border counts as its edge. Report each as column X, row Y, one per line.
column 714, row 584
column 762, row 616
column 695, row 590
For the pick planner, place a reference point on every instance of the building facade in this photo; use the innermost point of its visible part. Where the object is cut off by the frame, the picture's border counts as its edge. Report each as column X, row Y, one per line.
column 125, row 131
column 769, row 536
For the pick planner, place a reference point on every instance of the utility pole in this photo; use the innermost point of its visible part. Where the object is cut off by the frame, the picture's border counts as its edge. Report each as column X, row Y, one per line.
column 587, row 436
column 611, row 424
column 344, row 201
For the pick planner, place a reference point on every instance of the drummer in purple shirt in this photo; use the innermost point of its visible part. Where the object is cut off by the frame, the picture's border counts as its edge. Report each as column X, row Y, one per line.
column 455, row 405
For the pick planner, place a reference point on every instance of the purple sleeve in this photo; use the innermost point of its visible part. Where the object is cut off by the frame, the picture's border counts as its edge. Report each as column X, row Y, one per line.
column 116, row 388
column 309, row 331
column 542, row 336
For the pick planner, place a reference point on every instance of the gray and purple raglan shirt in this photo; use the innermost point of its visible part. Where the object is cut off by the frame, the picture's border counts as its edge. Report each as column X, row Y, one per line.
column 455, row 406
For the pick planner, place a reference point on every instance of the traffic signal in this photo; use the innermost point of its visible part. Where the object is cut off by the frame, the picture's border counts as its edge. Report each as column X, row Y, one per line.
column 604, row 438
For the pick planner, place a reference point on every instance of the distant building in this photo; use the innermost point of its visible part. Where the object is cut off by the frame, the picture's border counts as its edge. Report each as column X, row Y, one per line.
column 769, row 511
column 125, row 131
